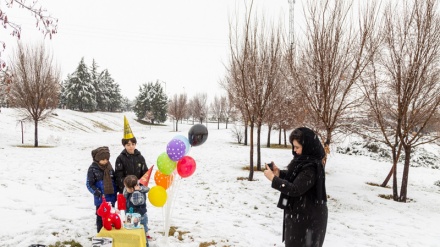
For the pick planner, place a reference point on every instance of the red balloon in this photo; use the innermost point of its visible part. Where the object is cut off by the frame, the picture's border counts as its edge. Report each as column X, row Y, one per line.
column 186, row 166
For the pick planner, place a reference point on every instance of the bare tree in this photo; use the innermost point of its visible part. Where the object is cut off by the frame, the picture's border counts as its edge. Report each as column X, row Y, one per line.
column 35, row 85
column 218, row 107
column 331, row 59
column 178, row 107
column 290, row 112
column 237, row 79
column 45, row 23
column 402, row 87
column 199, row 106
column 229, row 110
column 254, row 71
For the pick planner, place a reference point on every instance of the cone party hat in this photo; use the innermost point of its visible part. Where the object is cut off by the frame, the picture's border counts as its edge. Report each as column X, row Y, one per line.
column 128, row 134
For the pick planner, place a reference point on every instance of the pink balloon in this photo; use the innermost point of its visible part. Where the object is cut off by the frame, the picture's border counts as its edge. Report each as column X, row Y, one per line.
column 186, row 166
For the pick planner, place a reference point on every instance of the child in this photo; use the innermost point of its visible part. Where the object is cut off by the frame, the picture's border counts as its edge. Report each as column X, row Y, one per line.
column 136, row 197
column 101, row 180
column 130, row 161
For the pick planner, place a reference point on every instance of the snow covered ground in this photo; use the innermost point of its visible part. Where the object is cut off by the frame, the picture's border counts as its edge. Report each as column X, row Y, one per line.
column 43, row 197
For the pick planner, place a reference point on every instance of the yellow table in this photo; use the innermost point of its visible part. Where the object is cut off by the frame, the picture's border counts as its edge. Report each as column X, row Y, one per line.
column 124, row 237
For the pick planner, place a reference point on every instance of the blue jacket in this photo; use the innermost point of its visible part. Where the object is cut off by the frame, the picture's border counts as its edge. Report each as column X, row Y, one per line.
column 137, row 200
column 95, row 184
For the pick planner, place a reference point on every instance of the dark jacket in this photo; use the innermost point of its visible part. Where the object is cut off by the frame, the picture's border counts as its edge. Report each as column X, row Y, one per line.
column 137, row 200
column 95, row 184
column 129, row 164
column 303, row 196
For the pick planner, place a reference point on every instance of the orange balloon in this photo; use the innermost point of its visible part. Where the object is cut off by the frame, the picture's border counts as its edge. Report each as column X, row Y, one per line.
column 163, row 180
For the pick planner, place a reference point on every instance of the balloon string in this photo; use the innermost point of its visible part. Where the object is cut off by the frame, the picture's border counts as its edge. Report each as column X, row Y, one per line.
column 167, row 209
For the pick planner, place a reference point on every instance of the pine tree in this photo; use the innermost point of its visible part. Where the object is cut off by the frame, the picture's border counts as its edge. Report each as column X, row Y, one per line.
column 112, row 92
column 96, row 80
column 80, row 92
column 63, row 99
column 151, row 102
column 126, row 104
column 159, row 104
column 142, row 105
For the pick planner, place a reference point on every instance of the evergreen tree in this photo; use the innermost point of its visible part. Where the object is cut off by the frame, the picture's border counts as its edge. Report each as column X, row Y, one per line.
column 143, row 104
column 159, row 104
column 113, row 97
column 80, row 92
column 63, row 100
column 126, row 104
column 96, row 80
column 90, row 90
column 151, row 102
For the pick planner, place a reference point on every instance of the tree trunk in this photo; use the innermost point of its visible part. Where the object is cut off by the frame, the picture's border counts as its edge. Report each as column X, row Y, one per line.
column 395, row 154
column 279, row 137
column 285, row 138
column 387, row 179
column 218, row 123
column 251, row 154
column 403, row 189
column 245, row 135
column 227, row 119
column 268, row 135
column 259, row 147
column 36, row 133
column 327, row 146
column 395, row 159
column 177, row 122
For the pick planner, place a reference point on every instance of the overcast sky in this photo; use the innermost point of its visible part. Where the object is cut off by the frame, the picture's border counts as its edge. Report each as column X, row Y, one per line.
column 182, row 43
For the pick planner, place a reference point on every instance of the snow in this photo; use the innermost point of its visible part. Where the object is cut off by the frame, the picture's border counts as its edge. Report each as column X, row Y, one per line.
column 44, row 198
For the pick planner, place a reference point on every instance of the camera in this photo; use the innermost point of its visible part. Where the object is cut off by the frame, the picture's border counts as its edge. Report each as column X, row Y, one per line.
column 270, row 165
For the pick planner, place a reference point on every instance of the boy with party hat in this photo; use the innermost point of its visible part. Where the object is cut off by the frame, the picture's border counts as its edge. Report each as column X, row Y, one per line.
column 129, row 162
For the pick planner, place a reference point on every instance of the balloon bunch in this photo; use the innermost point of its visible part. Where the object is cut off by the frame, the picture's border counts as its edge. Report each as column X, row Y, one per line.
column 174, row 164
column 176, row 157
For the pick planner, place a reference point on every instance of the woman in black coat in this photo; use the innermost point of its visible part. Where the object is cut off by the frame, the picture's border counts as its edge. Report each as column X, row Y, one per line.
column 303, row 197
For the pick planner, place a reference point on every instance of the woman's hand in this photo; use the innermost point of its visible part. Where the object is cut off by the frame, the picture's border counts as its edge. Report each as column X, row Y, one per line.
column 268, row 173
column 271, row 174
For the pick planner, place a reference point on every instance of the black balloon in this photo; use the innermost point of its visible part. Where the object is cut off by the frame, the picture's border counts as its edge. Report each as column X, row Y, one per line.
column 197, row 135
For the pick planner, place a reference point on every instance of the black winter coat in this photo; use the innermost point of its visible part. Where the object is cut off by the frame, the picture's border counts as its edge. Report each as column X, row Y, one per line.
column 303, row 196
column 95, row 184
column 129, row 164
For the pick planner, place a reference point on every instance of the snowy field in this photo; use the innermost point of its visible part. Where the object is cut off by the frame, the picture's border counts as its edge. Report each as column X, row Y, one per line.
column 43, row 196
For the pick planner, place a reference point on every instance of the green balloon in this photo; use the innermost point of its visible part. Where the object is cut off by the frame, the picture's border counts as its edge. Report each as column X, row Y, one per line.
column 165, row 164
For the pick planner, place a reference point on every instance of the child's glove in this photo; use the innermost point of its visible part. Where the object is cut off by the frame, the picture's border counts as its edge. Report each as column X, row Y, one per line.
column 97, row 193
